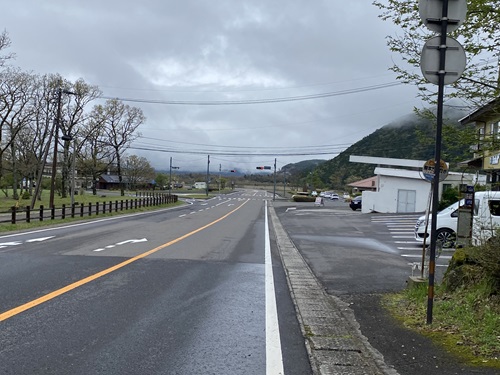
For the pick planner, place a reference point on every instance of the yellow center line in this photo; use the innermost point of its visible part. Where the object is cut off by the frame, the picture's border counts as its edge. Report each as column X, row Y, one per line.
column 17, row 310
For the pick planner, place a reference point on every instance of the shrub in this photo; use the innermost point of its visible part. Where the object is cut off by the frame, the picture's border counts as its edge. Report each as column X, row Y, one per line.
column 472, row 265
column 303, row 198
column 26, row 195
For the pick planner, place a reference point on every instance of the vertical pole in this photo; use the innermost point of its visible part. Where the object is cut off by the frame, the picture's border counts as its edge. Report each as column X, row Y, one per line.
column 73, row 167
column 170, row 180
column 56, row 141
column 284, row 184
column 220, row 176
column 437, row 159
column 274, row 191
column 208, row 174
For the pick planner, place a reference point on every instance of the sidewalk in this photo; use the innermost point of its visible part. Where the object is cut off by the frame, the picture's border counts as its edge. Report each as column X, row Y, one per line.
column 333, row 338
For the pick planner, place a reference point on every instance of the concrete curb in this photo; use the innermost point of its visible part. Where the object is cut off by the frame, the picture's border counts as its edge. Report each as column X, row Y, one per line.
column 332, row 335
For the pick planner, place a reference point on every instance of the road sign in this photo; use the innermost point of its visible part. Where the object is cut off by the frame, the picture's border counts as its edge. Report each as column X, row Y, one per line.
column 454, row 64
column 431, row 13
column 429, row 170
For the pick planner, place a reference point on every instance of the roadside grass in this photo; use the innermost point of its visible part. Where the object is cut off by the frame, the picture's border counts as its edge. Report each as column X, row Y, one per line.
column 466, row 322
column 102, row 197
column 7, row 202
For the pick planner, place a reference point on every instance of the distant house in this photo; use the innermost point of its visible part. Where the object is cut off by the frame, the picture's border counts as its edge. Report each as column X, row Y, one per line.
column 108, row 182
column 486, row 120
column 368, row 184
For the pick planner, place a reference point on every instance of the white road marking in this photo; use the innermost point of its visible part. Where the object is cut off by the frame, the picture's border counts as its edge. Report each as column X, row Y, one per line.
column 274, row 356
column 40, row 239
column 132, row 241
column 14, row 243
column 121, row 243
column 182, row 215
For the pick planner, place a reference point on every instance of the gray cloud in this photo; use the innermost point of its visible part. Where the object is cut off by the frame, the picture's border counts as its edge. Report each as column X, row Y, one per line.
column 222, row 50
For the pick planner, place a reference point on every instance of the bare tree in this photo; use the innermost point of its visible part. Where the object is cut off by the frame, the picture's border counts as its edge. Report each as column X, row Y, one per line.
column 77, row 96
column 5, row 43
column 15, row 113
column 121, row 122
column 43, row 125
column 95, row 156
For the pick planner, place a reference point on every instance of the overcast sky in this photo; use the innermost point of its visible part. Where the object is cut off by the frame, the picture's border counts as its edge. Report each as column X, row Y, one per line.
column 202, row 53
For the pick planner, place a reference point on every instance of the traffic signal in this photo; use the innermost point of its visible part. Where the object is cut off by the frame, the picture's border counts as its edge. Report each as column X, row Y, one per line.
column 233, row 170
column 267, row 167
column 260, row 167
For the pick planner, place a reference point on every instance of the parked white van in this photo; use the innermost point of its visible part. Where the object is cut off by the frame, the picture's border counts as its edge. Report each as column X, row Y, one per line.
column 486, row 220
column 200, row 185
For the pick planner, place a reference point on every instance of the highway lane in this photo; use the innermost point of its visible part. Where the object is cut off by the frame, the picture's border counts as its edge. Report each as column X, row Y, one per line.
column 177, row 291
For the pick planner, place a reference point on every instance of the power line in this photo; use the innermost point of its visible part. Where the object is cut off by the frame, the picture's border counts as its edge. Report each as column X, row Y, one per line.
column 257, row 101
column 246, row 147
column 236, row 153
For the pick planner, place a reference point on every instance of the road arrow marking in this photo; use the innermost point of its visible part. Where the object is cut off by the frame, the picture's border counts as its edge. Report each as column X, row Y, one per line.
column 132, row 241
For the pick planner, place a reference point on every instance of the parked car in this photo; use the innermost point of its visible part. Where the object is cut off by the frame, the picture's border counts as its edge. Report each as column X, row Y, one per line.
column 355, row 203
column 485, row 220
column 334, row 196
column 326, row 194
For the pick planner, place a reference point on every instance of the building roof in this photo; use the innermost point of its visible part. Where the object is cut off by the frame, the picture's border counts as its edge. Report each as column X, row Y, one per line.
column 394, row 162
column 492, row 107
column 110, row 178
column 367, row 183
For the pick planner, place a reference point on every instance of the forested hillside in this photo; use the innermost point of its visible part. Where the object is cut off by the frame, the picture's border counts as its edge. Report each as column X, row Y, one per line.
column 411, row 137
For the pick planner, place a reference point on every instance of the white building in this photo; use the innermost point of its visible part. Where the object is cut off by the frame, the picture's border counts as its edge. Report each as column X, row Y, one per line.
column 404, row 189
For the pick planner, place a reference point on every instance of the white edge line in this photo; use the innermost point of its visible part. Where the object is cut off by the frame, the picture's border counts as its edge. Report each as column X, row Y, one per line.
column 274, row 356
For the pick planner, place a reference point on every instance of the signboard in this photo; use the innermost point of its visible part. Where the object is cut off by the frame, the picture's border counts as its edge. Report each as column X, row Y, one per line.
column 431, row 13
column 319, row 201
column 429, row 170
column 455, row 60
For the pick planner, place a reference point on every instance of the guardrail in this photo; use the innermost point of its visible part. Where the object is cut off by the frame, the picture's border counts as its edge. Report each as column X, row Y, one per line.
column 26, row 214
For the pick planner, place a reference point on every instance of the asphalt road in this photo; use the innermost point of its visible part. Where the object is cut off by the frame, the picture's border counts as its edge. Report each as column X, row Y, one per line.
column 178, row 291
column 359, row 257
column 186, row 290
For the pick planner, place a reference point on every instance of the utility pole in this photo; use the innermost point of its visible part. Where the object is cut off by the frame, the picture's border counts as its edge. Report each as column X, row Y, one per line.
column 274, row 191
column 220, row 176
column 170, row 181
column 208, row 174
column 56, row 141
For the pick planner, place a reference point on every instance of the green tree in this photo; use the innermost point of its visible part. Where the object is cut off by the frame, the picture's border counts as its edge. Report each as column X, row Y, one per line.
column 161, row 180
column 479, row 35
column 138, row 171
